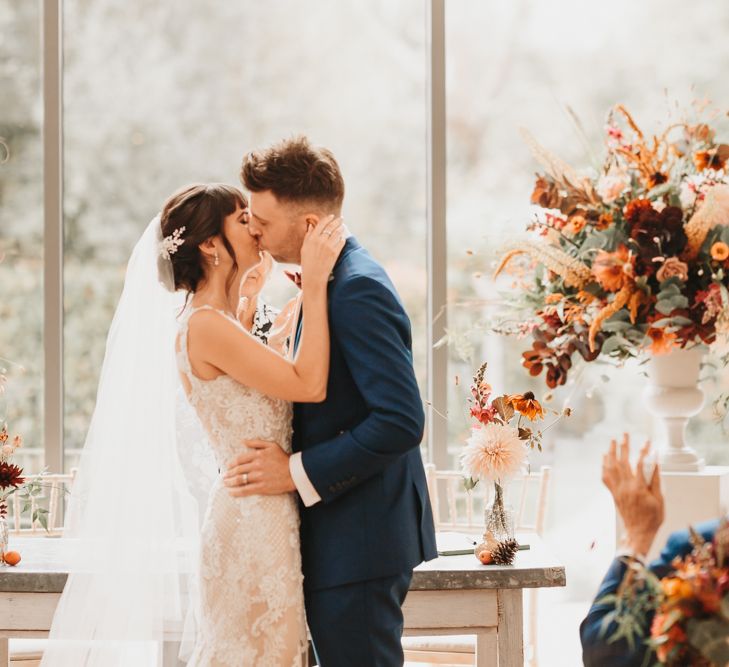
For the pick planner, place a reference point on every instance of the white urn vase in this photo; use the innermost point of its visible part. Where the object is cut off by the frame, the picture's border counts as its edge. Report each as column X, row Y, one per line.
column 673, row 396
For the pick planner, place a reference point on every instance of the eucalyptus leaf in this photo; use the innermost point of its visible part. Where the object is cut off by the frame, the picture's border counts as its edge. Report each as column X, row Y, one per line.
column 469, row 483
column 613, row 344
column 670, row 285
column 617, row 325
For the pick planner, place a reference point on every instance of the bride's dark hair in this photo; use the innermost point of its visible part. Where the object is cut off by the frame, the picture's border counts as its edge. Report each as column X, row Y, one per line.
column 201, row 209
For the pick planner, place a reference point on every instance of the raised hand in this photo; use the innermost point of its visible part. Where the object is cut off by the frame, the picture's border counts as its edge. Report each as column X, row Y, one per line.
column 320, row 251
column 638, row 501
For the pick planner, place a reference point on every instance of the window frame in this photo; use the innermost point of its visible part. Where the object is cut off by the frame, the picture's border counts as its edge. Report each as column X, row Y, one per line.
column 53, row 242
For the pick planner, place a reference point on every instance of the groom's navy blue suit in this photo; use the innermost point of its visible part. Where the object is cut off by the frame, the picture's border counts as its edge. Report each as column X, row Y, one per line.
column 597, row 651
column 360, row 449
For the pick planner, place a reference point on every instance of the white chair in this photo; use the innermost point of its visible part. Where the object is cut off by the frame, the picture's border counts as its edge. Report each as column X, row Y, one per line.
column 455, row 509
column 28, row 652
column 50, row 499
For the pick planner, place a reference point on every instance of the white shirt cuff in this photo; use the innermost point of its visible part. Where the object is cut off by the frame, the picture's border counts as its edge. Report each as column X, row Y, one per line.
column 303, row 484
column 626, row 552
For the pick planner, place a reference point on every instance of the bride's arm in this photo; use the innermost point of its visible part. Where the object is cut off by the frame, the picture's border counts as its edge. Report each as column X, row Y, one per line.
column 215, row 340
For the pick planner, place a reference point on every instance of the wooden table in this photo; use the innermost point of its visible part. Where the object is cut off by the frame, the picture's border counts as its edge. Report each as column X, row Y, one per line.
column 453, row 595
column 456, row 595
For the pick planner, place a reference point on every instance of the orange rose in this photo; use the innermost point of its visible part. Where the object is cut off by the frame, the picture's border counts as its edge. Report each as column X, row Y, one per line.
column 673, row 267
column 719, row 251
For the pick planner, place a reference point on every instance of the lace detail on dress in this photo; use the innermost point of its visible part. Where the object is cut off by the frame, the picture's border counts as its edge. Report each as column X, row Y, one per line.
column 251, row 600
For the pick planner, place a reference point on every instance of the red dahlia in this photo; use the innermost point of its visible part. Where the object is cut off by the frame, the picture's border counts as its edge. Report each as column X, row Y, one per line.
column 10, row 475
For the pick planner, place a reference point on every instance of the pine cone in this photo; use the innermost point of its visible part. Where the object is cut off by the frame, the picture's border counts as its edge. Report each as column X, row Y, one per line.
column 505, row 552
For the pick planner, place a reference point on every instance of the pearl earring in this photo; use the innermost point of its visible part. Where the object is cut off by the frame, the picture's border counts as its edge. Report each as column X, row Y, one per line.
column 217, row 259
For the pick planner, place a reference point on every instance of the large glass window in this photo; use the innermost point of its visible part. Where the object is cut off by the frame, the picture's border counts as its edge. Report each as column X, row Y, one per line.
column 160, row 96
column 21, row 227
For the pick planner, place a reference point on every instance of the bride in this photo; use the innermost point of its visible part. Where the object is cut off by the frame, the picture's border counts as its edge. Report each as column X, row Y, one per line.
column 142, row 574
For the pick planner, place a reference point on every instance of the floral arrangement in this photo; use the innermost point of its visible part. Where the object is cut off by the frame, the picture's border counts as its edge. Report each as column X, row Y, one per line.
column 11, row 476
column 689, row 607
column 502, row 433
column 632, row 259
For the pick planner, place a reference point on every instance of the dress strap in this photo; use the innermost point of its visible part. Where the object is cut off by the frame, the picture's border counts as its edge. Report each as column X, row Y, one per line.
column 183, row 353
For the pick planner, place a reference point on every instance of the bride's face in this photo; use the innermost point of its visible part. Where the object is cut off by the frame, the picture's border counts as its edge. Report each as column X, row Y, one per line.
column 247, row 252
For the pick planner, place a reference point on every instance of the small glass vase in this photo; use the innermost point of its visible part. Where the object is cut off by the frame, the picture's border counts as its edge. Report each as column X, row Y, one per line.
column 499, row 517
column 4, row 539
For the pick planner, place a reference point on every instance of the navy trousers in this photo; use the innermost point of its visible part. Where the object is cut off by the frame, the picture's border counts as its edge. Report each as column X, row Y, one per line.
column 360, row 624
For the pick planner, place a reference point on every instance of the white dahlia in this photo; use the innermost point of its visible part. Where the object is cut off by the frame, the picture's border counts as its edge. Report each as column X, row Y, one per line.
column 494, row 452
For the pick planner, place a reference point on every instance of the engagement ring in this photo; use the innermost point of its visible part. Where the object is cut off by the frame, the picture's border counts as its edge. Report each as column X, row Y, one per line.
column 245, row 479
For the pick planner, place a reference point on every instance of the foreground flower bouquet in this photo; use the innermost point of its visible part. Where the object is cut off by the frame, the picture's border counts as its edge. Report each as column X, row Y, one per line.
column 504, row 430
column 689, row 608
column 632, row 259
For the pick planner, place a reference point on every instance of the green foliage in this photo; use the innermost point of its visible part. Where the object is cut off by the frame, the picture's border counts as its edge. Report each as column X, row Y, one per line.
column 633, row 605
column 711, row 637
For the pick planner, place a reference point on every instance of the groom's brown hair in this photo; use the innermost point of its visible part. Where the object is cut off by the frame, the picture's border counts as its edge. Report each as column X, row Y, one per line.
column 295, row 172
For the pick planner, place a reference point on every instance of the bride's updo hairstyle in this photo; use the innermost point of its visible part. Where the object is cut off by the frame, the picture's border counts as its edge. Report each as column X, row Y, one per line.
column 201, row 209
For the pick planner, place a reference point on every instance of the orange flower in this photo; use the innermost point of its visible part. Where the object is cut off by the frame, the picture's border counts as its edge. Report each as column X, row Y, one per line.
column 674, row 636
column 527, row 405
column 604, row 221
column 612, row 269
column 576, row 224
column 673, row 267
column 585, row 297
column 662, row 341
column 675, row 587
column 719, row 251
column 554, row 298
column 714, row 158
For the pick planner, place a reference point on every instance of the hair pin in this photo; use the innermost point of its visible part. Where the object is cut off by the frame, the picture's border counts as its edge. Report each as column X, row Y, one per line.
column 169, row 244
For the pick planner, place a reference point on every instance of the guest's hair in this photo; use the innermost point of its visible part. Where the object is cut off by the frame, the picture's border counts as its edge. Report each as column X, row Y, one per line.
column 201, row 209
column 296, row 173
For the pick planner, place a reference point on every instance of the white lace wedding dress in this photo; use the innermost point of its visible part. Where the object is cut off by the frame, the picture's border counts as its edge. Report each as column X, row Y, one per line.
column 251, row 592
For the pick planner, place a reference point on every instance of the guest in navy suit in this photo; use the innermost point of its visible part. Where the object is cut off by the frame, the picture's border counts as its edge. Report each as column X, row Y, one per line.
column 640, row 505
column 366, row 520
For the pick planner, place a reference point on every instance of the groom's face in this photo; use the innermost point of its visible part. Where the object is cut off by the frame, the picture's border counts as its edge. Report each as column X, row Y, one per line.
column 278, row 227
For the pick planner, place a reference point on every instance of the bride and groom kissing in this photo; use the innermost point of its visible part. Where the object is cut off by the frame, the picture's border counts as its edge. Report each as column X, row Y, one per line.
column 320, row 510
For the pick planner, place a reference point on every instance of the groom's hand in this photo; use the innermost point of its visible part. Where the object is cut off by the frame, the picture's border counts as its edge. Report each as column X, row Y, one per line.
column 264, row 471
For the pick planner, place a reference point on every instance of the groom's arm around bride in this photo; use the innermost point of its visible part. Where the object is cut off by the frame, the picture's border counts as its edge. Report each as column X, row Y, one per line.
column 368, row 520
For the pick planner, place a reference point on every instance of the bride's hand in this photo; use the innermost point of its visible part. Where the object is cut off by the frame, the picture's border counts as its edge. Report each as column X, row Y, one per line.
column 320, row 251
column 253, row 282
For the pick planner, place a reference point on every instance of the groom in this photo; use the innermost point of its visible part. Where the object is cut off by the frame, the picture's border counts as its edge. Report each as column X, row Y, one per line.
column 366, row 521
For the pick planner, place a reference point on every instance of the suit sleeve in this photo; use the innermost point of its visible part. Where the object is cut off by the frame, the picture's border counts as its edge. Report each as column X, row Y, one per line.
column 597, row 651
column 373, row 332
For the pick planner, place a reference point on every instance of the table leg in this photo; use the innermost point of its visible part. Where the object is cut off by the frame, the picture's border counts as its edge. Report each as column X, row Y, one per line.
column 4, row 652
column 510, row 633
column 486, row 655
